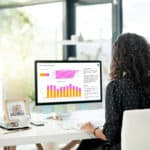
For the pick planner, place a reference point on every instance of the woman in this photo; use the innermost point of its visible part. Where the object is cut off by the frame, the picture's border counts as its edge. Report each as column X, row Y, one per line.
column 129, row 89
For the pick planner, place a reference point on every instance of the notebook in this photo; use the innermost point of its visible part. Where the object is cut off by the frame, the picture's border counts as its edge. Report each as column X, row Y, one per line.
column 13, row 125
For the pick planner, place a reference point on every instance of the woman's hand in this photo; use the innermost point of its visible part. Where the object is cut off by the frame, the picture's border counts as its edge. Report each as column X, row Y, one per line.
column 88, row 127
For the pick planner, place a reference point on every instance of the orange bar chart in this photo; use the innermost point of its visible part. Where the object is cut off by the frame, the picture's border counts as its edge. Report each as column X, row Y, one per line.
column 44, row 74
column 65, row 91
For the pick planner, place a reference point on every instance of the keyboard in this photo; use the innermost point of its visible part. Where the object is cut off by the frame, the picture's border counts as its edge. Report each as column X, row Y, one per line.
column 72, row 124
column 77, row 119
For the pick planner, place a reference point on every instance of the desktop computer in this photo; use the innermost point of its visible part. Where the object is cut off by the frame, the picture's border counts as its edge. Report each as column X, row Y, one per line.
column 68, row 82
column 63, row 82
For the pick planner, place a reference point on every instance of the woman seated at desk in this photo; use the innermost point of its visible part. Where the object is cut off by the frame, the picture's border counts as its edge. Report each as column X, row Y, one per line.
column 129, row 89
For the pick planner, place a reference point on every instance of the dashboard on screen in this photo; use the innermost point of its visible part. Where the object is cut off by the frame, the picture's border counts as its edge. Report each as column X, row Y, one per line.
column 60, row 82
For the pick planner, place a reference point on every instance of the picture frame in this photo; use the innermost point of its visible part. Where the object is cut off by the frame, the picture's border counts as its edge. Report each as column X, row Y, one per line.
column 15, row 109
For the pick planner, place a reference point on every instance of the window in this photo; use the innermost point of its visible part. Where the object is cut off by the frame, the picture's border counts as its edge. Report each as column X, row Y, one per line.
column 94, row 23
column 27, row 33
column 136, row 17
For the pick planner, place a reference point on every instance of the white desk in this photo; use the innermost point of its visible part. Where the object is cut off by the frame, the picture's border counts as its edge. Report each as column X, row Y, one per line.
column 50, row 132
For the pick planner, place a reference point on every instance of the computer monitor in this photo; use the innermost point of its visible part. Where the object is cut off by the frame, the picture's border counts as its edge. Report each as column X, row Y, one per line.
column 65, row 82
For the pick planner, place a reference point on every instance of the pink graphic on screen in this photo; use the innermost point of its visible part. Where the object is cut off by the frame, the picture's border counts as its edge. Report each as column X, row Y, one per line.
column 65, row 74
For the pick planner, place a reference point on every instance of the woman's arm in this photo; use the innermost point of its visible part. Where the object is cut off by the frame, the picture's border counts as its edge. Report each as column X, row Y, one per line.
column 89, row 128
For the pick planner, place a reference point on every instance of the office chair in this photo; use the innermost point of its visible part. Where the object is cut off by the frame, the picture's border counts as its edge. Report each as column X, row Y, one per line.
column 136, row 130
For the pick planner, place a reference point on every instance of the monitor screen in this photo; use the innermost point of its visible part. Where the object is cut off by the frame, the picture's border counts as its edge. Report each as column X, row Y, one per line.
column 61, row 82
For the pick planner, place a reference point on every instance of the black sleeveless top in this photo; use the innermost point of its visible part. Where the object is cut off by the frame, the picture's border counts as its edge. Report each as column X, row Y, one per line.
column 121, row 95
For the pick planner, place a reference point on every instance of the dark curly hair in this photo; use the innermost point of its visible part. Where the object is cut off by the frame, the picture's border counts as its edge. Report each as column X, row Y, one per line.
column 131, row 59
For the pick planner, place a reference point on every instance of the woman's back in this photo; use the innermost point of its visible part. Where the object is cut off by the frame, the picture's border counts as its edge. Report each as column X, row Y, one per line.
column 122, row 95
column 129, row 95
